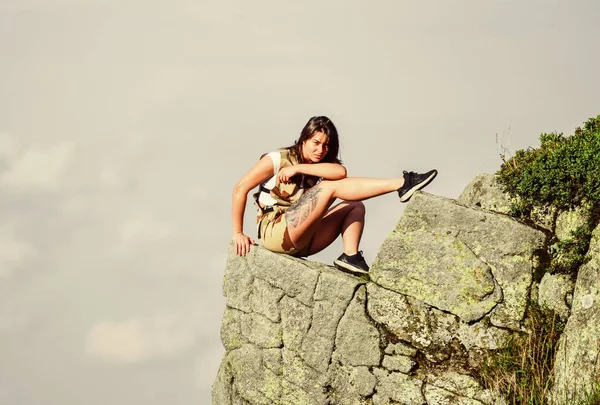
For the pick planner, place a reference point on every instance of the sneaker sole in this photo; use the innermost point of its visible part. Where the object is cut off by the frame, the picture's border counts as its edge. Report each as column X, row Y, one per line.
column 345, row 266
column 416, row 187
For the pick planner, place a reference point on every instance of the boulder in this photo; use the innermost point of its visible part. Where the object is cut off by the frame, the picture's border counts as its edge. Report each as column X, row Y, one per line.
column 555, row 292
column 462, row 260
column 485, row 192
column 577, row 360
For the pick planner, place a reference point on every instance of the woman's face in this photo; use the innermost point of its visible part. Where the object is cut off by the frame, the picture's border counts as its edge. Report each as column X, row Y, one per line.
column 315, row 148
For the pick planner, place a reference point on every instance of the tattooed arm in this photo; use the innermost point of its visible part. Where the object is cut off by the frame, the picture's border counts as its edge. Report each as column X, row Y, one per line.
column 328, row 171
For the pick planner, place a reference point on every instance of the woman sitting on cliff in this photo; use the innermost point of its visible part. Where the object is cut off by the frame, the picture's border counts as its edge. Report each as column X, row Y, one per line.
column 298, row 185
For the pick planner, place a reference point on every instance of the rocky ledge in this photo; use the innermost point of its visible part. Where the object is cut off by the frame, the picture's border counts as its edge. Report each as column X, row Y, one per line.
column 451, row 282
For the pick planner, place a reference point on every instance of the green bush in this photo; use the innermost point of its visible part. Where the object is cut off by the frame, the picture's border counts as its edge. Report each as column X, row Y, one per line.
column 563, row 173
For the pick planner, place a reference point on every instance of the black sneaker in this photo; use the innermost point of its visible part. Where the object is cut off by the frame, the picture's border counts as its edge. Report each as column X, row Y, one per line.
column 413, row 182
column 355, row 263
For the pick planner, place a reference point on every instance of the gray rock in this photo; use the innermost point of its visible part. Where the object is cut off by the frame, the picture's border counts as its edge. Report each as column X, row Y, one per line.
column 221, row 389
column 357, row 340
column 393, row 310
column 259, row 330
column 440, row 396
column 295, row 321
column 577, row 361
column 568, row 222
column 332, row 296
column 264, row 299
column 462, row 385
column 400, row 349
column 237, row 283
column 544, row 217
column 485, row 192
column 411, row 263
column 448, row 284
column 397, row 387
column 481, row 335
column 402, row 364
column 363, row 381
column 506, row 246
column 302, row 384
column 350, row 385
column 554, row 292
column 231, row 329
column 299, row 281
column 252, row 381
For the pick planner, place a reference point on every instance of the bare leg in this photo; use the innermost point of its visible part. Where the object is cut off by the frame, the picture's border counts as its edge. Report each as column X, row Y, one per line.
column 347, row 219
column 305, row 215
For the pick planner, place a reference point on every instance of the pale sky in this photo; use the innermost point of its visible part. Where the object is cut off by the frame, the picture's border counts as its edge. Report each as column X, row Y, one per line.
column 125, row 124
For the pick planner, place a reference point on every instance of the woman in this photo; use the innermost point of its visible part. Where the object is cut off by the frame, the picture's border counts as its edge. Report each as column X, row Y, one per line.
column 298, row 185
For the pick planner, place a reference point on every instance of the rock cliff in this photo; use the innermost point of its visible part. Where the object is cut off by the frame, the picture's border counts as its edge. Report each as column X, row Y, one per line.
column 451, row 282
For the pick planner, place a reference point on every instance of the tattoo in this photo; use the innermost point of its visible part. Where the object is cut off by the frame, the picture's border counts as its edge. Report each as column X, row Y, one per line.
column 307, row 203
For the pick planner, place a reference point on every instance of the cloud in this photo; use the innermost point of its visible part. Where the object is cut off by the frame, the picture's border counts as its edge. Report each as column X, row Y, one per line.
column 13, row 321
column 137, row 340
column 144, row 229
column 13, row 252
column 36, row 168
column 9, row 146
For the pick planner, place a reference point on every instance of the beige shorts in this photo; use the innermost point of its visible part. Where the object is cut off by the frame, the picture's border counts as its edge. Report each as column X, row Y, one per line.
column 273, row 232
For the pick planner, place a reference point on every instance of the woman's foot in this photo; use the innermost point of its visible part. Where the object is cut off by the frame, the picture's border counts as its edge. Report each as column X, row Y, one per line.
column 353, row 263
column 413, row 182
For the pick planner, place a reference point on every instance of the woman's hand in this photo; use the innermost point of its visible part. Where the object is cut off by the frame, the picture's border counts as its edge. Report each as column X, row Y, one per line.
column 285, row 175
column 242, row 243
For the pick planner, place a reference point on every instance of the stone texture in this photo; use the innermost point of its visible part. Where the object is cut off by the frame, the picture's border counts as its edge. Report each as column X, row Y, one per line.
column 577, row 361
column 485, row 192
column 506, row 246
column 253, row 381
column 394, row 312
column 397, row 387
column 412, row 267
column 568, row 222
column 222, row 387
column 295, row 320
column 545, row 217
column 299, row 283
column 402, row 364
column 259, row 330
column 400, row 349
column 331, row 298
column 555, row 292
column 264, row 299
column 351, row 385
column 440, row 396
column 449, row 283
column 482, row 335
column 231, row 331
column 462, row 385
column 357, row 340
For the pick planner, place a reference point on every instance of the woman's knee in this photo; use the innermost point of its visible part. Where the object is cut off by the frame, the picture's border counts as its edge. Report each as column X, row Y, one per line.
column 358, row 208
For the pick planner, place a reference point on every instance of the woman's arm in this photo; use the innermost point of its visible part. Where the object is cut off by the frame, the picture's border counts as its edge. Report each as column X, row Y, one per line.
column 259, row 173
column 328, row 171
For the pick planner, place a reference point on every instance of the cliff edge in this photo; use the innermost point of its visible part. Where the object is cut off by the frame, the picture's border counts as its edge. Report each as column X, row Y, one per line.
column 452, row 282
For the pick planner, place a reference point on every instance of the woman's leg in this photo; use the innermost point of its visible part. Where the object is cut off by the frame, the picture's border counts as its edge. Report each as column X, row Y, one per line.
column 304, row 216
column 346, row 218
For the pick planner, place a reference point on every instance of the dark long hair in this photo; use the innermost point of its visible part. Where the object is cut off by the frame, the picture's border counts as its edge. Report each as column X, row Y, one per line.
column 319, row 124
